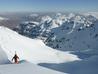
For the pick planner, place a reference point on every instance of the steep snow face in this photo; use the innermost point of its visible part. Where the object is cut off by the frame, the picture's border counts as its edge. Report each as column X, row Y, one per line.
column 32, row 50
column 25, row 68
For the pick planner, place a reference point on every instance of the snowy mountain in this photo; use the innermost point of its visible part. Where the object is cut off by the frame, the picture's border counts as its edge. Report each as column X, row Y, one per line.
column 31, row 50
column 72, row 31
column 76, row 34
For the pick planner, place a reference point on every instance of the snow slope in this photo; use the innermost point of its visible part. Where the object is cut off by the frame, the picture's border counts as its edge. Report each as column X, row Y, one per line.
column 32, row 50
column 25, row 68
column 3, row 57
column 86, row 66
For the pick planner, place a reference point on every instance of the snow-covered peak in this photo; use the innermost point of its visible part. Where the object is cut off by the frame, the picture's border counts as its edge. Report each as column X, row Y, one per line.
column 46, row 19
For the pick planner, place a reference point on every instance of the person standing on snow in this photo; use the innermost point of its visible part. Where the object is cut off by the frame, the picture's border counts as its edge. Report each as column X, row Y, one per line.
column 15, row 58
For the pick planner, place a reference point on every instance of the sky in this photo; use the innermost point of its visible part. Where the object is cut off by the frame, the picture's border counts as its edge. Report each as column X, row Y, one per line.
column 48, row 5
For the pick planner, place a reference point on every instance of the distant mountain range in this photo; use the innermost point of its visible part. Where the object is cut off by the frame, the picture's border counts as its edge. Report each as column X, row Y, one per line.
column 72, row 31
